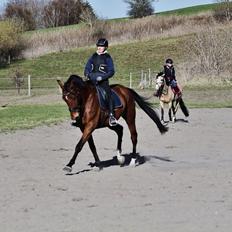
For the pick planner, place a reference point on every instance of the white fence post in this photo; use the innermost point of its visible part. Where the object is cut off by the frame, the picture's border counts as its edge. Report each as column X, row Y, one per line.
column 29, row 85
column 130, row 80
column 149, row 77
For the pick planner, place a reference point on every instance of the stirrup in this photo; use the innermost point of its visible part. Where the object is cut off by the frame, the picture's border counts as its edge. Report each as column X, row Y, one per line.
column 113, row 121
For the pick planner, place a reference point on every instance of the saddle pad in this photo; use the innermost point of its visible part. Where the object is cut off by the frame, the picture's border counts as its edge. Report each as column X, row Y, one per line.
column 102, row 98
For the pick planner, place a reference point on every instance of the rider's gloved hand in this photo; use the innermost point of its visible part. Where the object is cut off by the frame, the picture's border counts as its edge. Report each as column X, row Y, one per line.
column 99, row 78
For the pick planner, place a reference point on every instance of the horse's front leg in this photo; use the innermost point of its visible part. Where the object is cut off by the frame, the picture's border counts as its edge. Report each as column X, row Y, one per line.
column 93, row 149
column 173, row 112
column 85, row 136
column 162, row 111
column 170, row 112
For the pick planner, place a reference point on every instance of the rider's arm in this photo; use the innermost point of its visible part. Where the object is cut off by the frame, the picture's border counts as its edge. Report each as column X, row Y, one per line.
column 88, row 67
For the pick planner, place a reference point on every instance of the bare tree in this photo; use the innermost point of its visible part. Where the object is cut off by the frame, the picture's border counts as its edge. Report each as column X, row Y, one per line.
column 66, row 12
column 17, row 9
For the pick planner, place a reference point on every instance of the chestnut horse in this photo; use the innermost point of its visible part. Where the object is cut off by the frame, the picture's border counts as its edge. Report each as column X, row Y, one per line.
column 82, row 100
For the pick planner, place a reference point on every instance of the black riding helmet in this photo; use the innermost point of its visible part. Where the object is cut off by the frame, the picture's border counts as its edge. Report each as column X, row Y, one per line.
column 102, row 42
column 169, row 61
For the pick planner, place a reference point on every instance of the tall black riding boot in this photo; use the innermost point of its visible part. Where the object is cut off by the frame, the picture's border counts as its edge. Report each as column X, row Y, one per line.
column 112, row 120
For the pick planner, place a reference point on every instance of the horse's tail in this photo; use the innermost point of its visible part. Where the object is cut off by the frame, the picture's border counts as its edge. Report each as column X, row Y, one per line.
column 146, row 107
column 183, row 107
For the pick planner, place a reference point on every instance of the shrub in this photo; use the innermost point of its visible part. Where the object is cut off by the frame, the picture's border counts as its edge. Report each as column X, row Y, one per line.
column 11, row 43
column 223, row 12
column 209, row 53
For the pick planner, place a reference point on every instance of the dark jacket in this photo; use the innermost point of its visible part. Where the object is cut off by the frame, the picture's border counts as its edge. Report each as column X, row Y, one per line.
column 169, row 74
column 99, row 65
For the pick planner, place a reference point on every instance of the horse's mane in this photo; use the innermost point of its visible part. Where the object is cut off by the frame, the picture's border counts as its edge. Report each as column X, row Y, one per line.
column 76, row 80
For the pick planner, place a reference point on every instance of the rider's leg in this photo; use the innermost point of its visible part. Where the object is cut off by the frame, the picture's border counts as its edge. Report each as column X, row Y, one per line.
column 112, row 119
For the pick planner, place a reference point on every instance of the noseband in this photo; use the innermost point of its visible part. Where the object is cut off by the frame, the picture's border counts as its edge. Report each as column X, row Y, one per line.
column 74, row 109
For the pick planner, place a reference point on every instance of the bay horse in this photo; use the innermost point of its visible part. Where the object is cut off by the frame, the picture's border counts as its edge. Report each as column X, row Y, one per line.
column 82, row 100
column 168, row 97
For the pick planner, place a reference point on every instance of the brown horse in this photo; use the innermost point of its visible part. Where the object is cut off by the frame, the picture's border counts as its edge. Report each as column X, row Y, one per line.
column 173, row 101
column 82, row 100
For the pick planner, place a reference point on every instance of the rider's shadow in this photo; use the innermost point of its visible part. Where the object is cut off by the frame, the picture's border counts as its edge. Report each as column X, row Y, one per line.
column 130, row 160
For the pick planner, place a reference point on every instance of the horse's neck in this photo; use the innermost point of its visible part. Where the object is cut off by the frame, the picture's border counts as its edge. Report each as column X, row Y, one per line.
column 89, row 95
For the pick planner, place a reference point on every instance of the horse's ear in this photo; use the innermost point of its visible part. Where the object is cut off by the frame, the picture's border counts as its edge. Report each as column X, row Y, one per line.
column 60, row 83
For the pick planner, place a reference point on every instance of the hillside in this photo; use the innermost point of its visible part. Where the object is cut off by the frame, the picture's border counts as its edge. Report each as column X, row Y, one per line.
column 135, row 44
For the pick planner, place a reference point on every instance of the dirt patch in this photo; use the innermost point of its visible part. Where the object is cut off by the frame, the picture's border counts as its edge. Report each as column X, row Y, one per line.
column 184, row 185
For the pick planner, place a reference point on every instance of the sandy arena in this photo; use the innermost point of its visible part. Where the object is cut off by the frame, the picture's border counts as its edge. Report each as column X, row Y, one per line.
column 184, row 186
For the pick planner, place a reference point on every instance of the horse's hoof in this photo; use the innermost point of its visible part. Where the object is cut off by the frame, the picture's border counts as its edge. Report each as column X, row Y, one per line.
column 67, row 169
column 121, row 159
column 132, row 162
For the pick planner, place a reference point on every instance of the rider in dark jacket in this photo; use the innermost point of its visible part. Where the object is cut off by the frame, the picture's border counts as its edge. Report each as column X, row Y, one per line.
column 170, row 78
column 99, row 69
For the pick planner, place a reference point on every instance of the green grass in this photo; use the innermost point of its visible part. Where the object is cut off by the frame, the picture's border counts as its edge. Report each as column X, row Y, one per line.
column 150, row 54
column 190, row 10
column 30, row 116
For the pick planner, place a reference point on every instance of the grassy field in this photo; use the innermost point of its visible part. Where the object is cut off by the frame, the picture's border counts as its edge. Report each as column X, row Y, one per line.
column 50, row 110
column 22, row 112
column 30, row 116
column 191, row 10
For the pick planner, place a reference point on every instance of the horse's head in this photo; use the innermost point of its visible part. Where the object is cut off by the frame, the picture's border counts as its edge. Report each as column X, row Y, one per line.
column 159, row 81
column 71, row 94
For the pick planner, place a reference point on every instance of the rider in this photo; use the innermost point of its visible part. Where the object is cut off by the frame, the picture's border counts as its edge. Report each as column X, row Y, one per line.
column 170, row 78
column 99, row 69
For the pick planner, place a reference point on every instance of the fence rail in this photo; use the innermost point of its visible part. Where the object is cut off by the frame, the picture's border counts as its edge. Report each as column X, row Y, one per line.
column 28, row 85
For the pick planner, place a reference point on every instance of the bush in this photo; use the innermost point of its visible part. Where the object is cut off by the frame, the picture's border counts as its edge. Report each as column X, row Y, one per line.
column 11, row 44
column 223, row 12
column 209, row 53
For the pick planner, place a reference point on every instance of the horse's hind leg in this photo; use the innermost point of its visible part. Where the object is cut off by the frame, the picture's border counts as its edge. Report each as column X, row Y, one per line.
column 119, row 130
column 130, row 120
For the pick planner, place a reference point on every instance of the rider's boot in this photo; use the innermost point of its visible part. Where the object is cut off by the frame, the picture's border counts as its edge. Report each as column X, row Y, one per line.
column 112, row 120
column 177, row 91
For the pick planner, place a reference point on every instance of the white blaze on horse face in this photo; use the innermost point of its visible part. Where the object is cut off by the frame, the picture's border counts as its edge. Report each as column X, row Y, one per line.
column 159, row 82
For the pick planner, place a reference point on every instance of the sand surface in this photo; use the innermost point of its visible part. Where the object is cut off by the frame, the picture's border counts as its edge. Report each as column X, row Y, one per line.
column 184, row 186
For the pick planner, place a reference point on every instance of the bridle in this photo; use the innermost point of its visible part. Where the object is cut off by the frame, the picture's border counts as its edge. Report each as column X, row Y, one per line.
column 74, row 109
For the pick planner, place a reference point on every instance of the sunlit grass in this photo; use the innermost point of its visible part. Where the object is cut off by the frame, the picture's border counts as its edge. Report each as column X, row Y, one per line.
column 30, row 116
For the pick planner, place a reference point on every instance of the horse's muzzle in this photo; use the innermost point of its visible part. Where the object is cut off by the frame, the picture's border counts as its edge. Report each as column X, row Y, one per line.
column 74, row 113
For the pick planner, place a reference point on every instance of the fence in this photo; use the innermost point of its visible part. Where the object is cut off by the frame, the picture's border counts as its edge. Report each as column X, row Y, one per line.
column 32, row 85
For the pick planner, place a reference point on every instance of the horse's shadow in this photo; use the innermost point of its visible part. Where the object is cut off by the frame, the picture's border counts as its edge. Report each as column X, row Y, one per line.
column 182, row 120
column 166, row 122
column 130, row 160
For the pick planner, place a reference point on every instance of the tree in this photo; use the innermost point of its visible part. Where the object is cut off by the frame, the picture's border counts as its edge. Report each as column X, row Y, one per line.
column 19, row 10
column 65, row 12
column 11, row 43
column 140, row 8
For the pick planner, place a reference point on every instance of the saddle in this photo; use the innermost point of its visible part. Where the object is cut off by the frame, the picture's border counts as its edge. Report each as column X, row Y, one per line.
column 103, row 101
